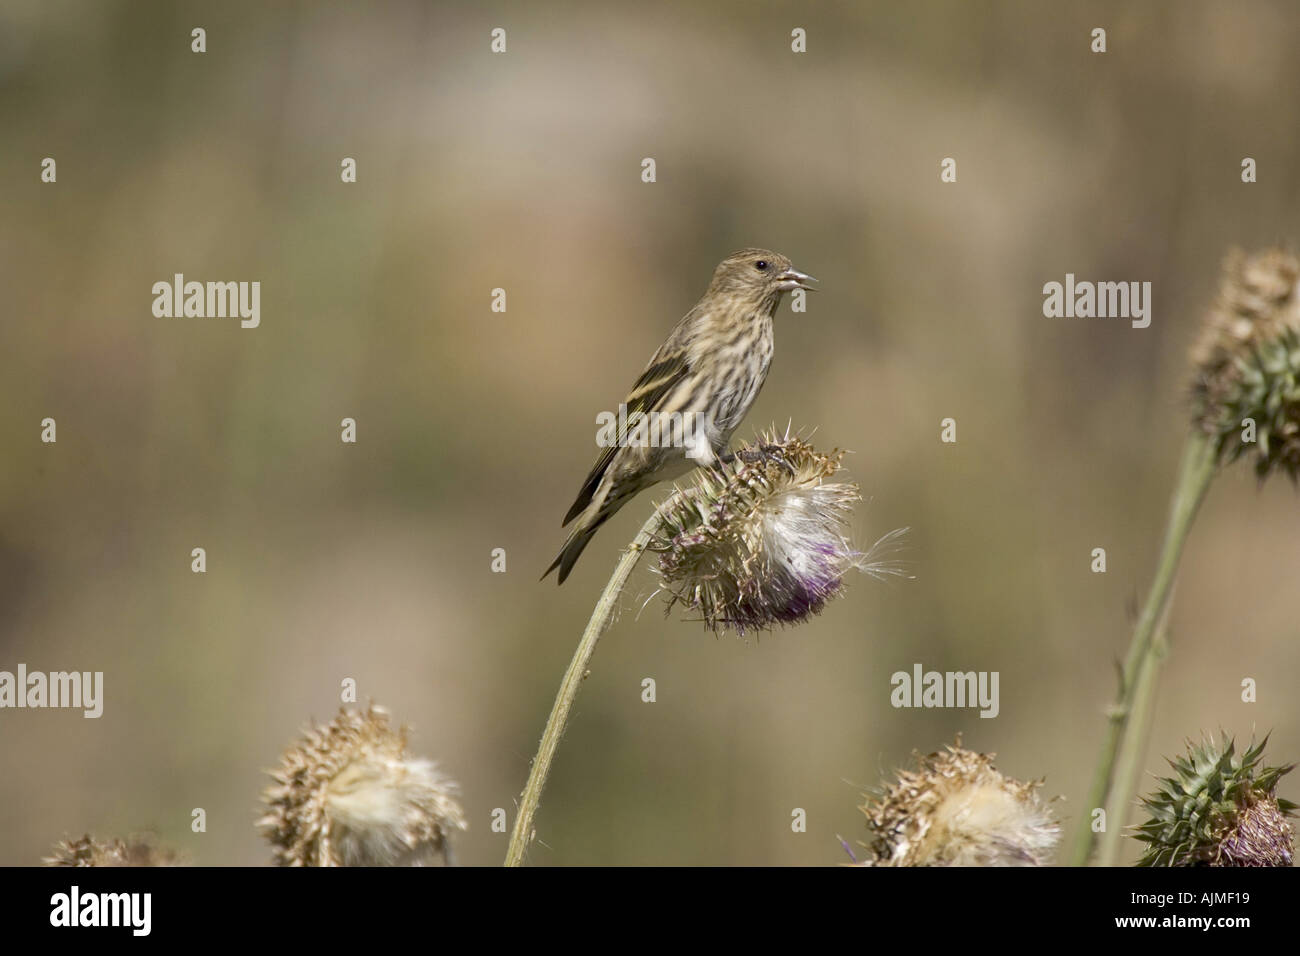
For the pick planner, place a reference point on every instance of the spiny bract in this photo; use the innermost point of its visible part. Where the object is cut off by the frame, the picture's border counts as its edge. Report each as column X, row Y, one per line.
column 1219, row 809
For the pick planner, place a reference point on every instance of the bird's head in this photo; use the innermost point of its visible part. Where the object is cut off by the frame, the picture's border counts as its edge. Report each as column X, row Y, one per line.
column 758, row 273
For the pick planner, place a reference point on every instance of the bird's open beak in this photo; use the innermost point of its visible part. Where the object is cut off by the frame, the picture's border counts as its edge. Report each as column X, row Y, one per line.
column 794, row 279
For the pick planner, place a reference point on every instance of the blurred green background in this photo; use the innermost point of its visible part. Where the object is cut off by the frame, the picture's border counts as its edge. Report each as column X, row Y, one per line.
column 522, row 171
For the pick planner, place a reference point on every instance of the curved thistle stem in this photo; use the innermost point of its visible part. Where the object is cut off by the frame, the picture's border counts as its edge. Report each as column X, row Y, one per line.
column 1128, row 760
column 601, row 618
column 1125, row 736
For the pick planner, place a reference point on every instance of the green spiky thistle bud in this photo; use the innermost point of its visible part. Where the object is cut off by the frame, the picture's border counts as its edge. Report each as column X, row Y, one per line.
column 349, row 794
column 1247, row 363
column 1219, row 809
column 763, row 540
column 87, row 851
column 956, row 809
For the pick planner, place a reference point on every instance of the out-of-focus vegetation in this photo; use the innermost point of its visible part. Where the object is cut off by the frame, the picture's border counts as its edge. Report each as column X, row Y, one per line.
column 521, row 171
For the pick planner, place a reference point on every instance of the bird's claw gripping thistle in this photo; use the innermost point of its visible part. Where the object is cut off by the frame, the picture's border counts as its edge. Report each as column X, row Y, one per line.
column 762, row 455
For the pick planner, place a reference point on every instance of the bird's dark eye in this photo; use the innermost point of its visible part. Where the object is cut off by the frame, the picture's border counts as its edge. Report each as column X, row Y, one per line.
column 761, row 265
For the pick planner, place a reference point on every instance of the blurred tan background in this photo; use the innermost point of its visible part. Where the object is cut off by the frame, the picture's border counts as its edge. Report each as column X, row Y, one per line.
column 372, row 561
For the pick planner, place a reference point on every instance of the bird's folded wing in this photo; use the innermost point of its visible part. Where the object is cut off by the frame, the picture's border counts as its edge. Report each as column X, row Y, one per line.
column 656, row 383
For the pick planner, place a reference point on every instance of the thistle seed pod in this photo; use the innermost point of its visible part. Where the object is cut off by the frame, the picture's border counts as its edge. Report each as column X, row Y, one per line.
column 1220, row 808
column 956, row 809
column 87, row 851
column 349, row 794
column 763, row 540
column 1246, row 381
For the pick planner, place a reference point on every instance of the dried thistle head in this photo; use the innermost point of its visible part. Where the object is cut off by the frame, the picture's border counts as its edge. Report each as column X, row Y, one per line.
column 348, row 794
column 1220, row 808
column 763, row 540
column 956, row 809
column 141, row 850
column 1247, row 362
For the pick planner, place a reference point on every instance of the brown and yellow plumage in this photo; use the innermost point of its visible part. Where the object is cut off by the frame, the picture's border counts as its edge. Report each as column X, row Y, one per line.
column 694, row 392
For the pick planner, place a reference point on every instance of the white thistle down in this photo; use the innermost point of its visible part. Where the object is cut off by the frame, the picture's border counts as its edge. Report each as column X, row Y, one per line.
column 349, row 794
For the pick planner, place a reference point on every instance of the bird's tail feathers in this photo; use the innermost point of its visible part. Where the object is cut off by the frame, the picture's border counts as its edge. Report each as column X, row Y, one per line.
column 605, row 505
column 572, row 550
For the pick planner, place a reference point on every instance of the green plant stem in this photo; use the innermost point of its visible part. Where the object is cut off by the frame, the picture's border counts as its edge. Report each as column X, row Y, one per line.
column 1142, row 664
column 601, row 617
column 1132, row 748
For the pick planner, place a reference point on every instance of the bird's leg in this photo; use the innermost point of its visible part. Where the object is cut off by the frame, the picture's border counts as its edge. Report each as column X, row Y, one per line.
column 773, row 453
column 720, row 463
column 764, row 454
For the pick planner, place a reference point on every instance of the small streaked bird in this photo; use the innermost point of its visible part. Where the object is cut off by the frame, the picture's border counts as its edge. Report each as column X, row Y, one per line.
column 700, row 383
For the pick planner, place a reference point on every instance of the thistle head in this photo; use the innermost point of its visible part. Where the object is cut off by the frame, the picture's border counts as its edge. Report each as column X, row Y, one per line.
column 1220, row 808
column 763, row 540
column 1247, row 363
column 956, row 809
column 348, row 794
column 87, row 851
